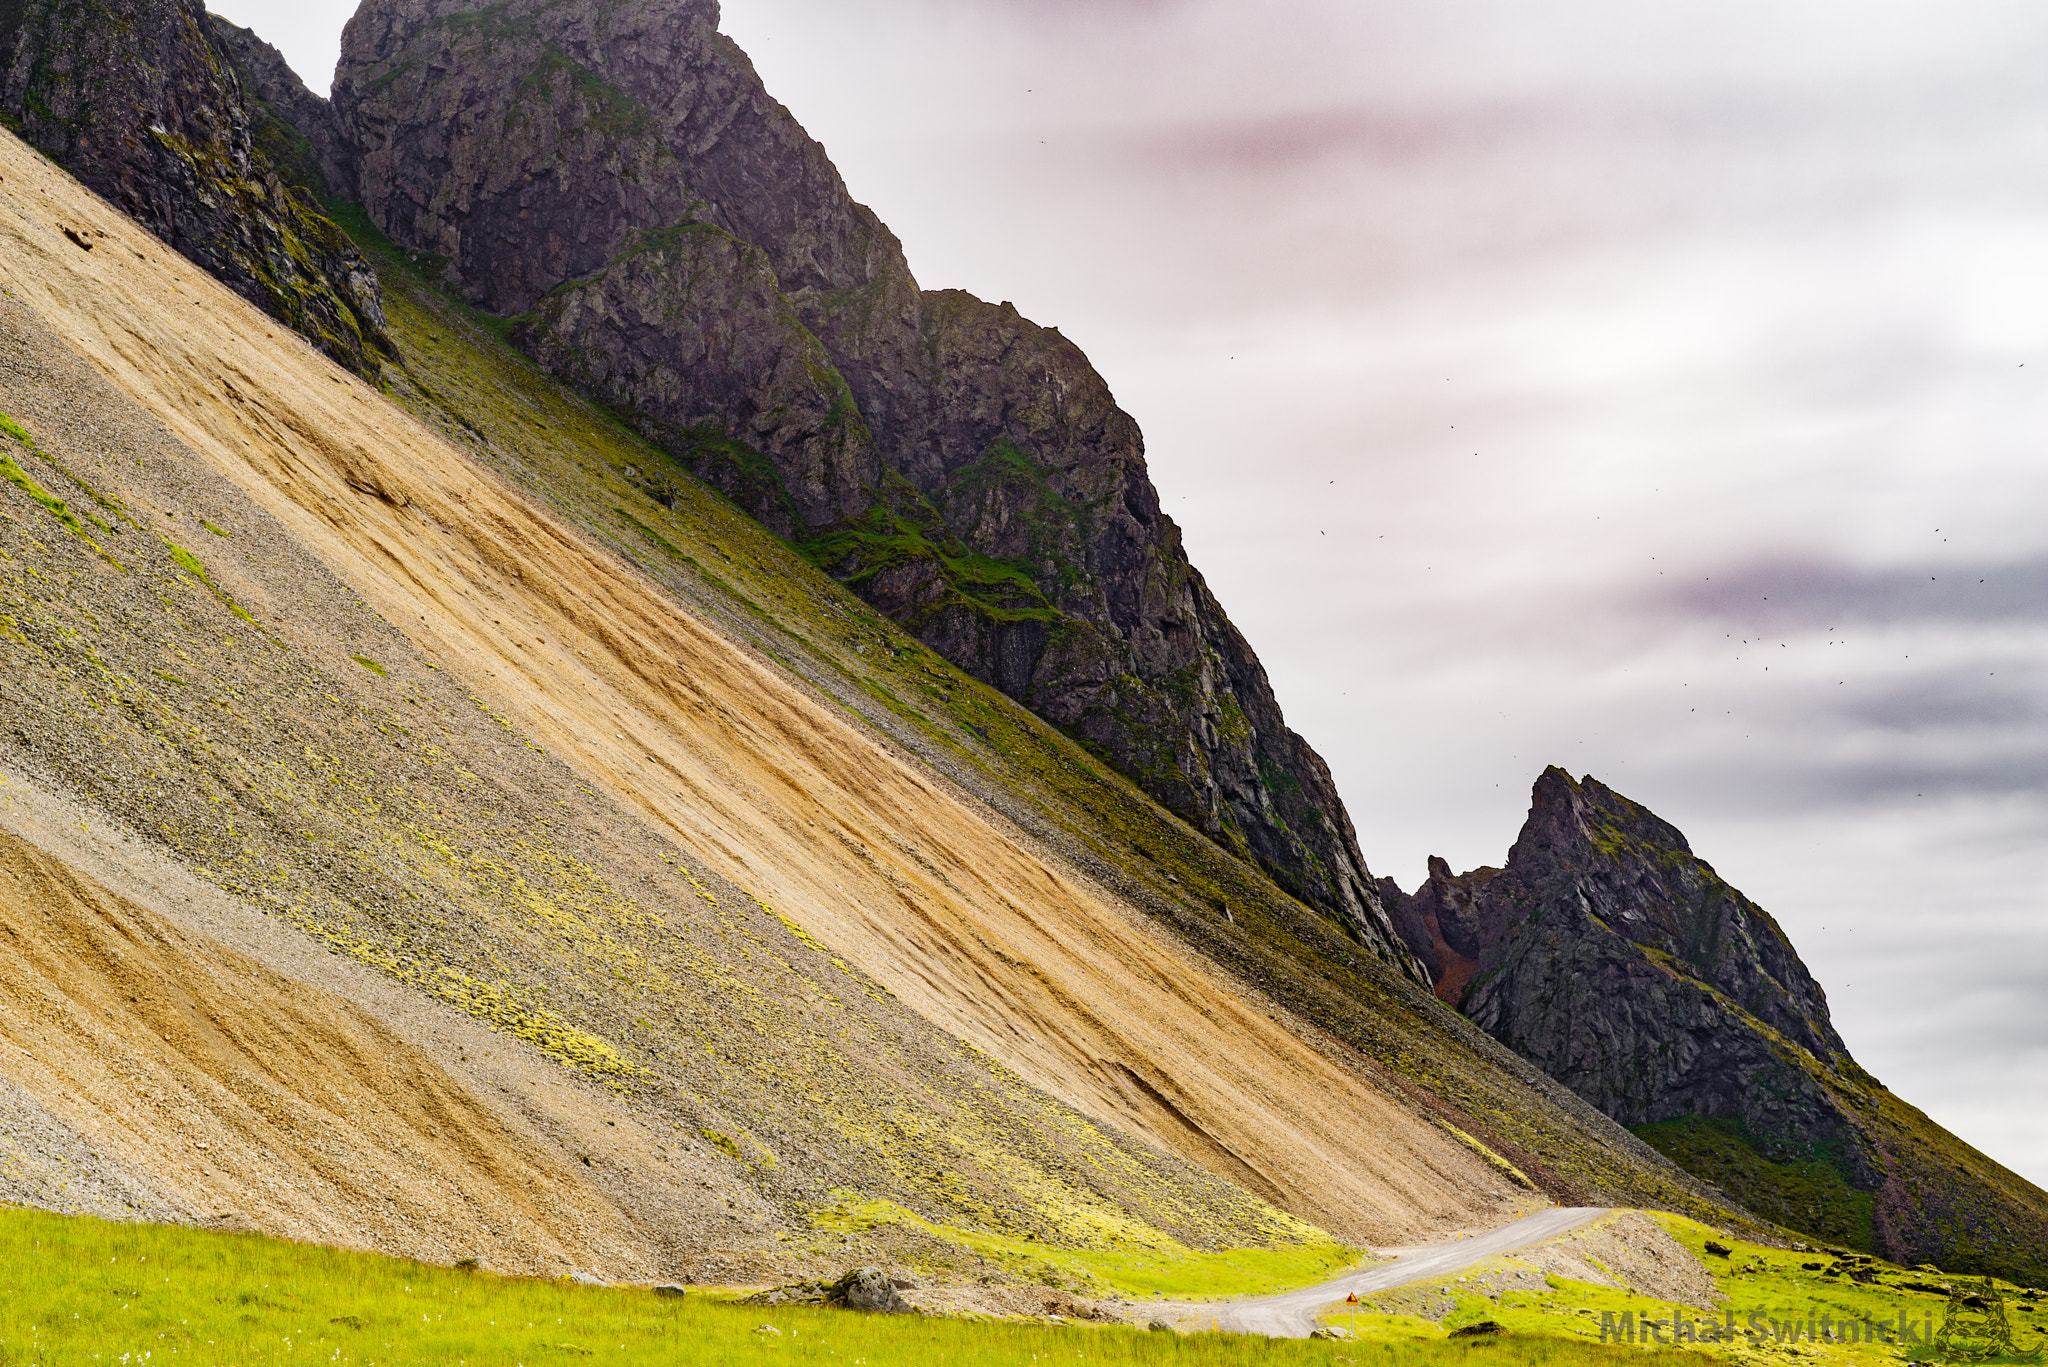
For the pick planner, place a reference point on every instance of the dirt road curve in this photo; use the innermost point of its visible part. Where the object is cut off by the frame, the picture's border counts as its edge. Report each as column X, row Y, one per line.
column 1293, row 1315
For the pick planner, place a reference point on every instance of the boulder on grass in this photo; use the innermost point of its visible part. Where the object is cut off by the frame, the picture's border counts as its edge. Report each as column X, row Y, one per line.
column 1481, row 1330
column 869, row 1289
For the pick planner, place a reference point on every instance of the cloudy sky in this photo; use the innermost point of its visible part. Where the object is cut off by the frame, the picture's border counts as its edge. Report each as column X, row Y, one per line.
column 1656, row 390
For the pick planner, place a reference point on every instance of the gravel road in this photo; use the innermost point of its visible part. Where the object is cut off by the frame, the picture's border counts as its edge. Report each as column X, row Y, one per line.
column 1293, row 1314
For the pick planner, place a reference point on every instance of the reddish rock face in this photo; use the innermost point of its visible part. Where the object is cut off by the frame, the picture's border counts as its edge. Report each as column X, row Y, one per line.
column 1440, row 923
column 668, row 239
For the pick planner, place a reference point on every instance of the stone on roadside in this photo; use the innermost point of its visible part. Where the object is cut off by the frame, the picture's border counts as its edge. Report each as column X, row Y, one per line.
column 1160, row 1327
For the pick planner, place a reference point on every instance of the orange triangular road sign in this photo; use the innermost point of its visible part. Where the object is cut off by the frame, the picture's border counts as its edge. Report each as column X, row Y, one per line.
column 1351, row 1299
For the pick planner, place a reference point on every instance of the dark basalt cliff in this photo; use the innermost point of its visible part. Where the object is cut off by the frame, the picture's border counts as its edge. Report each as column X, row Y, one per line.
column 1612, row 956
column 1620, row 963
column 133, row 98
column 614, row 179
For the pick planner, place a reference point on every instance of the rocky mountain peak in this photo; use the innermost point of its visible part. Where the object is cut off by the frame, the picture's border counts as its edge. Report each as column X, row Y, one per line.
column 1609, row 954
column 1590, row 859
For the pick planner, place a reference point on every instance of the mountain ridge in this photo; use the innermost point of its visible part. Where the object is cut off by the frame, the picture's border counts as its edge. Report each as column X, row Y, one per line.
column 664, row 237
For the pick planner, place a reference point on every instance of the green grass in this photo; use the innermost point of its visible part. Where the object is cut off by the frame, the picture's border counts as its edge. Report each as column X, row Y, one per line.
column 1776, row 1283
column 75, row 1290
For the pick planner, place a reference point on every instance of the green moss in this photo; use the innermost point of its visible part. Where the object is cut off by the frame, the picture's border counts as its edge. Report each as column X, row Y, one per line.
column 379, row 84
column 608, row 111
column 56, row 507
column 655, row 538
column 1813, row 1194
column 901, row 528
column 492, row 23
column 1054, row 524
column 500, row 1004
column 1499, row 1164
column 53, row 505
column 190, row 563
column 706, row 451
column 285, row 148
column 367, row 663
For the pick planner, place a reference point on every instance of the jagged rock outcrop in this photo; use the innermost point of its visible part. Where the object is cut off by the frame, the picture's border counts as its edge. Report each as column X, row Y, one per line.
column 1617, row 960
column 132, row 98
column 1441, row 923
column 614, row 178
column 1610, row 955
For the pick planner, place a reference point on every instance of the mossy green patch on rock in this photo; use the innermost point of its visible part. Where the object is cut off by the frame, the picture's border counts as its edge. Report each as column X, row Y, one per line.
column 190, row 563
column 1815, row 1194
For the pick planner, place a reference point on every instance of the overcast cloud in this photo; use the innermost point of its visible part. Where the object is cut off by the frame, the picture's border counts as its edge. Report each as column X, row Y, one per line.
column 1659, row 391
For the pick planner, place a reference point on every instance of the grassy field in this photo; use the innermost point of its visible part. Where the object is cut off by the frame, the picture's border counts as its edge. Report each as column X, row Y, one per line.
column 81, row 1291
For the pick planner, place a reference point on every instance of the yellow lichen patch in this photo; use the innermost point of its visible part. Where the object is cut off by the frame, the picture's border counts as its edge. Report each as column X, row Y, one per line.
column 492, row 1002
column 1502, row 1165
